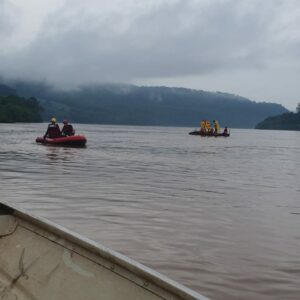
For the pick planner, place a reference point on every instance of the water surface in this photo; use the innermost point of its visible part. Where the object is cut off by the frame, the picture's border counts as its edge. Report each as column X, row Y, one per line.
column 220, row 215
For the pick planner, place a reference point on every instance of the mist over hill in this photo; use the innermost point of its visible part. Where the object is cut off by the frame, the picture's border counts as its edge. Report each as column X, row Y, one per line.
column 6, row 90
column 134, row 105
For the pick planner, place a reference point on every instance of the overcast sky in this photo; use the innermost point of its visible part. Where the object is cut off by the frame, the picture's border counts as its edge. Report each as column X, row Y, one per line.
column 245, row 47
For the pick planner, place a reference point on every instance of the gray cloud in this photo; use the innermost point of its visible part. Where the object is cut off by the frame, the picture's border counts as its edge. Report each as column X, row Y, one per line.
column 7, row 12
column 86, row 42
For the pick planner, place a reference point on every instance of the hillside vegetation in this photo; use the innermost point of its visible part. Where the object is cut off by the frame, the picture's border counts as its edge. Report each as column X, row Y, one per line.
column 286, row 121
column 17, row 109
column 133, row 105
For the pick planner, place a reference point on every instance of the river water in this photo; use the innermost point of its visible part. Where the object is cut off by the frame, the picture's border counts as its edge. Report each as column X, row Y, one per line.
column 219, row 215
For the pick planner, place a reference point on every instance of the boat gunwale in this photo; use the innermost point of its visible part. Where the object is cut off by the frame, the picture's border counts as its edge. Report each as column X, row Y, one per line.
column 117, row 258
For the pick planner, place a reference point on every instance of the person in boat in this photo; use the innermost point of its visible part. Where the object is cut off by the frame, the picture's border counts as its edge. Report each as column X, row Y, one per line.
column 67, row 129
column 203, row 126
column 53, row 130
column 216, row 126
column 225, row 130
column 207, row 126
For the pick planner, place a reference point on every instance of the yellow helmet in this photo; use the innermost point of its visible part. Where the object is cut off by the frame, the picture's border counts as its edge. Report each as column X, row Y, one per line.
column 53, row 120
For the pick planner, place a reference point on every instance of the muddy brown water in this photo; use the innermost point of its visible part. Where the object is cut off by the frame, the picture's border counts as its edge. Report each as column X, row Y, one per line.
column 219, row 215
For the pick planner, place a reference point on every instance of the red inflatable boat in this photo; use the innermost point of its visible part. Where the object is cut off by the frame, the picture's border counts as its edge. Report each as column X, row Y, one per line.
column 75, row 140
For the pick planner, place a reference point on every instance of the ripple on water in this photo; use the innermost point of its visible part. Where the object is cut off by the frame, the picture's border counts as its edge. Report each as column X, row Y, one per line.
column 218, row 215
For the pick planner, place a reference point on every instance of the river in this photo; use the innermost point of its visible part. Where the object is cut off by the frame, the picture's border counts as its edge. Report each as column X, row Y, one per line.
column 219, row 215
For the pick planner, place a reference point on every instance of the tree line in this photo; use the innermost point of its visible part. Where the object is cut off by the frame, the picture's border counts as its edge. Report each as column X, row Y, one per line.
column 286, row 121
column 18, row 109
column 139, row 105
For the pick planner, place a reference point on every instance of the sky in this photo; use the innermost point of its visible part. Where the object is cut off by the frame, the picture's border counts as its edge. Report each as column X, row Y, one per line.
column 245, row 47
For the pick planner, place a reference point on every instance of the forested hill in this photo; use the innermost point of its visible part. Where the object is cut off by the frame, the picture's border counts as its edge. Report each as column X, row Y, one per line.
column 17, row 109
column 287, row 121
column 6, row 90
column 133, row 105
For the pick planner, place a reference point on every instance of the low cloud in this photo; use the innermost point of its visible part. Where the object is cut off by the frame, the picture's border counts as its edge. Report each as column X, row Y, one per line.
column 77, row 42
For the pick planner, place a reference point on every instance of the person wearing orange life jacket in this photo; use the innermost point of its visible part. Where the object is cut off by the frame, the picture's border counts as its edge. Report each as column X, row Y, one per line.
column 53, row 130
column 68, row 129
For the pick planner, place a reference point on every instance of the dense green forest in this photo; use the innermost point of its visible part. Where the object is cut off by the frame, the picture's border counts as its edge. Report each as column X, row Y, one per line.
column 133, row 105
column 286, row 121
column 17, row 109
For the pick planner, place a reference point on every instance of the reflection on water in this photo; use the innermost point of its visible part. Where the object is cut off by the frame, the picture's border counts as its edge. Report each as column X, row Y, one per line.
column 59, row 153
column 221, row 216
